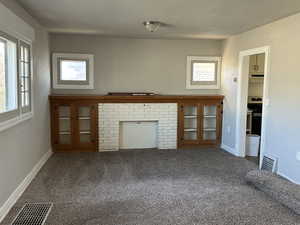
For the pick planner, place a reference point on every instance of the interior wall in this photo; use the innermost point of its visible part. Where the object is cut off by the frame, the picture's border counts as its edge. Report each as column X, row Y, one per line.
column 128, row 64
column 283, row 111
column 23, row 145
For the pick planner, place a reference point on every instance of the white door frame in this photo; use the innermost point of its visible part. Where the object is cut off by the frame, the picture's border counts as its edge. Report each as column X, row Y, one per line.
column 242, row 99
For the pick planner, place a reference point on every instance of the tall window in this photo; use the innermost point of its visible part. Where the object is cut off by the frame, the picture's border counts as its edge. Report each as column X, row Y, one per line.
column 15, row 79
column 8, row 75
column 203, row 72
column 25, row 76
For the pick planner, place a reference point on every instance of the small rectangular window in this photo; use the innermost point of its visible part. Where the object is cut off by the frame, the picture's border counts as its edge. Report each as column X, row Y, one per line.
column 8, row 75
column 73, row 71
column 203, row 72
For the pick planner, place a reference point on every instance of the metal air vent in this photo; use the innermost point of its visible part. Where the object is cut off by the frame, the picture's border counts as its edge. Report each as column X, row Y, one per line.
column 33, row 214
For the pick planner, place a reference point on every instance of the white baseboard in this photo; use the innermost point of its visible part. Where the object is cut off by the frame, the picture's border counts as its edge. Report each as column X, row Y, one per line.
column 4, row 209
column 229, row 149
column 286, row 177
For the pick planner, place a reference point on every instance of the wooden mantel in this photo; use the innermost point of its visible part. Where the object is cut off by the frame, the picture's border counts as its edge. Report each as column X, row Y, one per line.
column 136, row 99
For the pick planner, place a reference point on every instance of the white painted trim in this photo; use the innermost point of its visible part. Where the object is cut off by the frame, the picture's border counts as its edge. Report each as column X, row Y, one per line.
column 242, row 107
column 217, row 59
column 13, row 198
column 90, row 58
column 229, row 149
column 15, row 121
column 16, row 26
column 288, row 178
column 31, row 82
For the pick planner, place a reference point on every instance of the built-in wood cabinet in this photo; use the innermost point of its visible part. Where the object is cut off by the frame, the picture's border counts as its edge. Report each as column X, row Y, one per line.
column 199, row 123
column 74, row 126
column 74, row 119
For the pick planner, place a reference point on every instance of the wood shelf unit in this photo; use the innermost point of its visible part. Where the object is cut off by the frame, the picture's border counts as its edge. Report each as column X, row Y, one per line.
column 79, row 114
column 207, row 123
column 66, row 126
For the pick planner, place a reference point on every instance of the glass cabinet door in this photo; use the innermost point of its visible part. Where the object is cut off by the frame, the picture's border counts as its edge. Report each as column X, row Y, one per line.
column 84, row 124
column 64, row 125
column 190, row 122
column 209, row 123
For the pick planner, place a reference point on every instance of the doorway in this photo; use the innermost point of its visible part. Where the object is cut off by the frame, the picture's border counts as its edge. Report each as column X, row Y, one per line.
column 245, row 77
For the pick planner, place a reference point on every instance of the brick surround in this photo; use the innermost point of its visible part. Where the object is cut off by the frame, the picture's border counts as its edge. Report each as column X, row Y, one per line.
column 111, row 114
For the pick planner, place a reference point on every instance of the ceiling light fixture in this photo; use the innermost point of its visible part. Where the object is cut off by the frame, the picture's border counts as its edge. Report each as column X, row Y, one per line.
column 152, row 26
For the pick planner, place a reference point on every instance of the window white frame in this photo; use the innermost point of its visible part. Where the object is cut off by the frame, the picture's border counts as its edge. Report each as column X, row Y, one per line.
column 20, row 114
column 58, row 84
column 12, row 57
column 202, row 85
column 25, row 108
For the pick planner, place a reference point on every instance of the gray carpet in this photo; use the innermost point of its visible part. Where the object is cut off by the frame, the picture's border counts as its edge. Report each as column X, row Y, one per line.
column 147, row 187
column 277, row 187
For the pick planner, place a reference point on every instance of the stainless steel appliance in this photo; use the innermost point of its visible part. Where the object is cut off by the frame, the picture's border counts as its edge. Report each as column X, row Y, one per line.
column 255, row 105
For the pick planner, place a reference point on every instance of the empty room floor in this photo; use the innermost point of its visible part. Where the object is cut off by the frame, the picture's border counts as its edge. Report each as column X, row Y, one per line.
column 148, row 187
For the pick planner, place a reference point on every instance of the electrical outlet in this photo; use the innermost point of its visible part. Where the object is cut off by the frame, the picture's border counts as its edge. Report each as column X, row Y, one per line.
column 298, row 156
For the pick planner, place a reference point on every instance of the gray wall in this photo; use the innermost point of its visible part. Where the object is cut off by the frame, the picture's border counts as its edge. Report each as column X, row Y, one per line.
column 22, row 146
column 283, row 123
column 126, row 64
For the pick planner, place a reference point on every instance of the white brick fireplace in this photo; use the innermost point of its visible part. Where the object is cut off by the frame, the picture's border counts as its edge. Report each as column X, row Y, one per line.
column 112, row 114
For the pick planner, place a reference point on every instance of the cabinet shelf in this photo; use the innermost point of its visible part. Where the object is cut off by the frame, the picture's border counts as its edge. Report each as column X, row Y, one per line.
column 209, row 129
column 210, row 116
column 65, row 133
column 64, row 118
column 190, row 116
column 190, row 129
column 85, row 132
column 84, row 118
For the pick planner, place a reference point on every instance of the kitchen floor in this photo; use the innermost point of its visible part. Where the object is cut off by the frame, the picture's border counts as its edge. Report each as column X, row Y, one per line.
column 253, row 159
column 197, row 186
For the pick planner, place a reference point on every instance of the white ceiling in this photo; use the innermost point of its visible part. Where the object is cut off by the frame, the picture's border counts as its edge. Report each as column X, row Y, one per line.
column 187, row 18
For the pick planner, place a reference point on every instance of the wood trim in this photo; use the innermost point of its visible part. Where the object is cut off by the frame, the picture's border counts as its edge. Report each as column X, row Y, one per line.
column 200, row 122
column 135, row 99
column 180, row 129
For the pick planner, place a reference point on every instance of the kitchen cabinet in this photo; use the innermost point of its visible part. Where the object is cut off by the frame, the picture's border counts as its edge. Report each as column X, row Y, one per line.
column 257, row 64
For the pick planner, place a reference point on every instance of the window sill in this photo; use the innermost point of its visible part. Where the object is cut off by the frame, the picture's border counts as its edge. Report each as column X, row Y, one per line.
column 204, row 87
column 13, row 122
column 72, row 86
